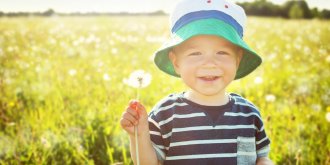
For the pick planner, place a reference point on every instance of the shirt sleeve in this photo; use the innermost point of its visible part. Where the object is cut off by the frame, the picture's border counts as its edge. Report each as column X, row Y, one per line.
column 262, row 140
column 156, row 138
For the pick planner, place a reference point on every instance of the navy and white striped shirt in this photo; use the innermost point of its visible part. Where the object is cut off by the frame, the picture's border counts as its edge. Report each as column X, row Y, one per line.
column 183, row 134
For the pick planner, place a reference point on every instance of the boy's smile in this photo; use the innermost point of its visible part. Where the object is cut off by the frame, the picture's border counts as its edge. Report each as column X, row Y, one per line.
column 206, row 64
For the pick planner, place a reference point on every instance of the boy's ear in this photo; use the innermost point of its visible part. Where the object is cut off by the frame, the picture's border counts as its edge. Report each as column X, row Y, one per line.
column 239, row 56
column 174, row 61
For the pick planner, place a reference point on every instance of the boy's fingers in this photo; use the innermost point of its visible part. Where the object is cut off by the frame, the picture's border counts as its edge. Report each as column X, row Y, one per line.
column 136, row 105
column 128, row 116
column 132, row 112
column 142, row 111
column 140, row 107
column 133, row 104
column 126, row 123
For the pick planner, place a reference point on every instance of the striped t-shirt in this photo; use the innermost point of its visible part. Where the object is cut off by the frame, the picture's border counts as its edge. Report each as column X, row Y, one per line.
column 182, row 133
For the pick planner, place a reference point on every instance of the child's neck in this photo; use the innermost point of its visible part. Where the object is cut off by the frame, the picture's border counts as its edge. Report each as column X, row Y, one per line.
column 217, row 100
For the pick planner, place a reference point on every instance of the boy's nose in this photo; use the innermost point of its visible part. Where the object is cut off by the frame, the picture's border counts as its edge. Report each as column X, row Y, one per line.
column 210, row 60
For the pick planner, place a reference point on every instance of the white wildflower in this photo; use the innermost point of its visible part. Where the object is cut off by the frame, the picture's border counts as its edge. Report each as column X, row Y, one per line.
column 328, row 59
column 303, row 89
column 45, row 142
column 316, row 107
column 72, row 72
column 87, row 77
column 114, row 51
column 287, row 56
column 106, row 77
column 327, row 116
column 270, row 98
column 38, row 69
column 258, row 80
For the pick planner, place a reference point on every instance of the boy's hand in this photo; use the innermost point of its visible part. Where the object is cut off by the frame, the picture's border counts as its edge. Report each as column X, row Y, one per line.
column 135, row 115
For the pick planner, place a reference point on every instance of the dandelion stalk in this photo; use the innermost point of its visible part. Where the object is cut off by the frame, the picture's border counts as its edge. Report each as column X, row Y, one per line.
column 136, row 127
column 136, row 145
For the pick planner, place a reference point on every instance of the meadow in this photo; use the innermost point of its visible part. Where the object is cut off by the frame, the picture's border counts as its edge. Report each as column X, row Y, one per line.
column 62, row 92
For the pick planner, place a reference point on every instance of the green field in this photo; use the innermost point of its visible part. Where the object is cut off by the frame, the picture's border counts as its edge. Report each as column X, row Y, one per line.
column 62, row 92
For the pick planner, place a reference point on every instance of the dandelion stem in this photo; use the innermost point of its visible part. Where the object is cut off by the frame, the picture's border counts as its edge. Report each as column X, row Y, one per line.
column 137, row 145
column 136, row 133
column 137, row 93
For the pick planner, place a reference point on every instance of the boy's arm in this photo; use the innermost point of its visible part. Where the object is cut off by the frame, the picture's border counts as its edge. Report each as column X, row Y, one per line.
column 264, row 161
column 146, row 151
column 262, row 144
column 136, row 115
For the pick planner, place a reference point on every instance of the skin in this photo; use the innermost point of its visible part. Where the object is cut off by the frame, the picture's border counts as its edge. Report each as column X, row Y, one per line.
column 207, row 65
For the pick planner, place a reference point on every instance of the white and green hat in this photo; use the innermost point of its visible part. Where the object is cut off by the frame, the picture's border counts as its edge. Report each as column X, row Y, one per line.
column 207, row 17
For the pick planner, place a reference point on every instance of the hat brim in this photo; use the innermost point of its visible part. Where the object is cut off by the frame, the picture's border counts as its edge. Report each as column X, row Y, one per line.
column 249, row 62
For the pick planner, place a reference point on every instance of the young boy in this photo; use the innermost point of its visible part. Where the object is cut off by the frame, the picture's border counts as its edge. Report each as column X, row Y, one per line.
column 203, row 125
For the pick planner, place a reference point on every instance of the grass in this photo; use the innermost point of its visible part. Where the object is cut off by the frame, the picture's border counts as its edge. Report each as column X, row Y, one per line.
column 62, row 90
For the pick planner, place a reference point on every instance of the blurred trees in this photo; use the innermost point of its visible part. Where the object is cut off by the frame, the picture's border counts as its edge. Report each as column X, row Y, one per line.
column 296, row 9
column 290, row 9
column 261, row 8
column 296, row 12
column 49, row 12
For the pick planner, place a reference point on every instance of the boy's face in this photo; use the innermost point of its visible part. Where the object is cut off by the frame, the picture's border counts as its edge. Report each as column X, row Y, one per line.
column 206, row 63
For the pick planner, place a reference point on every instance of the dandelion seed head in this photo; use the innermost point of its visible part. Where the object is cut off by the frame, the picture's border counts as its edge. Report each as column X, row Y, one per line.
column 258, row 80
column 100, row 64
column 38, row 69
column 328, row 59
column 270, row 98
column 72, row 72
column 138, row 79
column 287, row 57
column 327, row 116
column 48, row 139
column 111, row 42
column 316, row 107
column 303, row 89
column 307, row 50
column 87, row 77
column 323, row 51
column 11, row 124
column 52, row 41
column 45, row 142
column 10, row 49
column 106, row 77
column 272, row 56
column 114, row 51
column 80, row 148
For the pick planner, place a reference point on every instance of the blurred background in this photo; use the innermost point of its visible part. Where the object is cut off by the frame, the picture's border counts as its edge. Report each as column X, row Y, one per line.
column 63, row 65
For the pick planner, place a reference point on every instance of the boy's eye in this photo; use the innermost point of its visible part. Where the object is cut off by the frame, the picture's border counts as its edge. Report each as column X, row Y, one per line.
column 194, row 54
column 222, row 53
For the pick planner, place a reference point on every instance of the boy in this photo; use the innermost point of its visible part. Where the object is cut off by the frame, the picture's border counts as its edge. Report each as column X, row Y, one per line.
column 204, row 125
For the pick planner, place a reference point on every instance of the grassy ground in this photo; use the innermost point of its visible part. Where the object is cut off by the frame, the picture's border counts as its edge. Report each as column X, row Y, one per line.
column 62, row 90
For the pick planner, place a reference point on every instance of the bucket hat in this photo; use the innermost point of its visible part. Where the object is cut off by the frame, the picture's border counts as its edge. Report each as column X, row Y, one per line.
column 207, row 17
